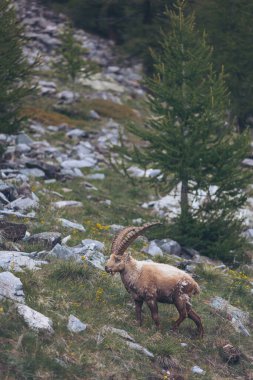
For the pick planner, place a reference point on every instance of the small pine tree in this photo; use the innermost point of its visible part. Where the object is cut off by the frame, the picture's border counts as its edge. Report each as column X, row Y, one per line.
column 189, row 139
column 72, row 55
column 14, row 69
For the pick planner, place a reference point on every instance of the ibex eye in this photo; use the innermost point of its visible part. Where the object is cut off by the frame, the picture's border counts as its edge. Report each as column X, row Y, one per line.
column 117, row 259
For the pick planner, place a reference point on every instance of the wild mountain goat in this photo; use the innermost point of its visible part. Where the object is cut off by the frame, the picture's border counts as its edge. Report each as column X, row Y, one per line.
column 152, row 282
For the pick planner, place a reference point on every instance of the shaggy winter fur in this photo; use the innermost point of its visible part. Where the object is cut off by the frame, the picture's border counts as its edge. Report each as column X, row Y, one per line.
column 153, row 282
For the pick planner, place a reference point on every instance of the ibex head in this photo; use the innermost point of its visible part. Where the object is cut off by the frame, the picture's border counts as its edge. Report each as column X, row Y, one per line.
column 120, row 243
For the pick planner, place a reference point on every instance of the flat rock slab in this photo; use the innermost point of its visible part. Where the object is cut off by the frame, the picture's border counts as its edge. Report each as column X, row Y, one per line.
column 46, row 239
column 89, row 162
column 128, row 338
column 141, row 349
column 63, row 204
column 153, row 249
column 93, row 244
column 75, row 325
column 16, row 261
column 35, row 320
column 11, row 287
column 23, row 204
column 68, row 224
column 122, row 333
column 237, row 317
column 64, row 253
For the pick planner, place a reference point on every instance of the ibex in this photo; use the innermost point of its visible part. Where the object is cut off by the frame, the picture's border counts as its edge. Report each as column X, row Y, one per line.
column 152, row 282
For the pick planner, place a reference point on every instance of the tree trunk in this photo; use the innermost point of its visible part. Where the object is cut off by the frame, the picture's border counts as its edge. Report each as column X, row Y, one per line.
column 184, row 198
column 147, row 12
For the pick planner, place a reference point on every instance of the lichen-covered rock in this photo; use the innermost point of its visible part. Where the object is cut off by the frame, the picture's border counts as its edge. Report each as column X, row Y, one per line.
column 11, row 287
column 16, row 261
column 46, row 239
column 35, row 320
column 93, row 244
column 64, row 253
column 75, row 325
column 141, row 349
column 153, row 249
column 237, row 317
column 63, row 204
column 68, row 224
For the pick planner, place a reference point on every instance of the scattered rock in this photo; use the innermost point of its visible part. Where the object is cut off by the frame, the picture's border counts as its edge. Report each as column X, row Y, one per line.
column 88, row 162
column 96, row 176
column 22, row 138
column 35, row 320
column 67, row 97
column 24, row 204
column 153, row 249
column 94, row 115
column 97, row 259
column 15, row 261
column 64, row 253
column 9, row 191
column 129, row 340
column 90, row 244
column 62, row 204
column 77, row 133
column 122, row 333
column 138, row 347
column 169, row 246
column 69, row 224
column 75, row 325
column 237, row 317
column 199, row 371
column 36, row 173
column 11, row 287
column 46, row 239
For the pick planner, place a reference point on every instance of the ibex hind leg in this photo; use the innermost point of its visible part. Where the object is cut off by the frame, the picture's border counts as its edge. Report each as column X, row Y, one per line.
column 196, row 319
column 181, row 308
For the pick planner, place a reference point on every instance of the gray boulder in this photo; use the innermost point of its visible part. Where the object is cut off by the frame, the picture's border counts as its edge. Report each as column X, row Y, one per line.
column 46, row 239
column 16, row 261
column 11, row 287
column 141, row 349
column 68, row 224
column 22, row 138
column 75, row 325
column 63, row 204
column 35, row 320
column 93, row 244
column 64, row 253
column 237, row 317
column 88, row 162
column 24, row 204
column 153, row 249
column 77, row 133
column 169, row 246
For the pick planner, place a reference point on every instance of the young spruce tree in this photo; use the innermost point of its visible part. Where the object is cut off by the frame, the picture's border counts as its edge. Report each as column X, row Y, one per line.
column 72, row 57
column 14, row 69
column 189, row 139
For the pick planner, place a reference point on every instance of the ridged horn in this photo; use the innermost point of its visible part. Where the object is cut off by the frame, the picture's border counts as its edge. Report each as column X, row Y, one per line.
column 126, row 236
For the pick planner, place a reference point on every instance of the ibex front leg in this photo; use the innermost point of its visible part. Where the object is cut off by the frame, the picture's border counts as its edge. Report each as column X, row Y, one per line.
column 154, row 312
column 138, row 308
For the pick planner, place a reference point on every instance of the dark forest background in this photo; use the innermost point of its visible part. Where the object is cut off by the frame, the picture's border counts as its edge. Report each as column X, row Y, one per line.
column 135, row 26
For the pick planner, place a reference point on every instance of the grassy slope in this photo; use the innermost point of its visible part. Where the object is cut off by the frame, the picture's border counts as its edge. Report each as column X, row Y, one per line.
column 60, row 289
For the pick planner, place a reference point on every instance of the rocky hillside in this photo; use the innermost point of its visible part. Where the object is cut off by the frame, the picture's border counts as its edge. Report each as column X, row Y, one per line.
column 61, row 315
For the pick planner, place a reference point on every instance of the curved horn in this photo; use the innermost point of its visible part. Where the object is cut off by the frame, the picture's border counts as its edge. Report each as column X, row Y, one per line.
column 126, row 236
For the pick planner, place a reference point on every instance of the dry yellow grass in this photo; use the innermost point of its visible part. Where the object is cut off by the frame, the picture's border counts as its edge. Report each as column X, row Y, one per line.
column 53, row 118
